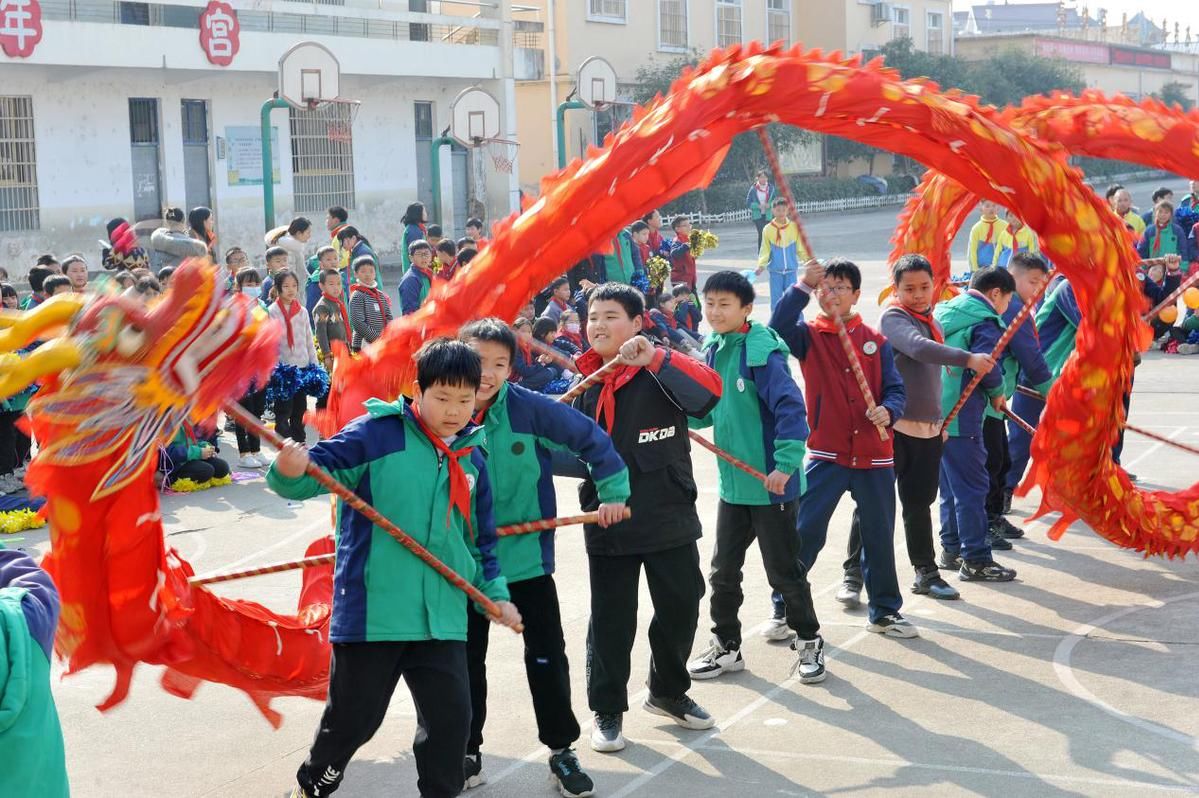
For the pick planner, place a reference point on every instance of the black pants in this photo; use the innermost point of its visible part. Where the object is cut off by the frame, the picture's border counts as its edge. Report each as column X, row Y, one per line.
column 917, row 469
column 546, row 666
column 1118, row 449
column 9, row 458
column 676, row 585
column 255, row 405
column 289, row 417
column 200, row 470
column 999, row 461
column 362, row 678
column 761, row 225
column 774, row 527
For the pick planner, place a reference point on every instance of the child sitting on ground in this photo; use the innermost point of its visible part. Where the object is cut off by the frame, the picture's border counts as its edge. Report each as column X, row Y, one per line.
column 686, row 312
column 535, row 371
column 664, row 319
column 570, row 338
column 188, row 456
column 392, row 617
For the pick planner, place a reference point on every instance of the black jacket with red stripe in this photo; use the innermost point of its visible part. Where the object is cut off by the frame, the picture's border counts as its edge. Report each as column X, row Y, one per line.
column 650, row 433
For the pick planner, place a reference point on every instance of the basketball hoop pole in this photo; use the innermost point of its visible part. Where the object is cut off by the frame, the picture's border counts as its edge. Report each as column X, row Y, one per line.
column 569, row 105
column 435, row 172
column 268, row 172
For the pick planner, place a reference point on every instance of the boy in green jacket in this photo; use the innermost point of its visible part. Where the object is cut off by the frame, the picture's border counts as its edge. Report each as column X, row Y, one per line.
column 761, row 420
column 525, row 430
column 419, row 463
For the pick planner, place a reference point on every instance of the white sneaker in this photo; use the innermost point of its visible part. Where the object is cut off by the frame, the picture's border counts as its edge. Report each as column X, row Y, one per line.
column 262, row 460
column 893, row 625
column 10, row 483
column 606, row 734
column 719, row 658
column 248, row 461
column 809, row 662
column 776, row 629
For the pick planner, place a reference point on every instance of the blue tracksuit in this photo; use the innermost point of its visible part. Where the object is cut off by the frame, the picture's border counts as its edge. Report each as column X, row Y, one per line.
column 970, row 323
column 1057, row 322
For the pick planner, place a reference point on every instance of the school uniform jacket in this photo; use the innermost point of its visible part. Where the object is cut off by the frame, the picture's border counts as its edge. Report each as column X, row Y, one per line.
column 1022, row 359
column 414, row 287
column 381, row 591
column 836, row 409
column 648, row 426
column 1057, row 320
column 682, row 262
column 984, row 235
column 760, row 418
column 524, row 429
column 970, row 323
column 1023, row 240
column 782, row 251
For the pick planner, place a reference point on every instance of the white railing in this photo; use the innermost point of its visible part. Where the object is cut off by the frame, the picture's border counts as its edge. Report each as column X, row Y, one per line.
column 843, row 204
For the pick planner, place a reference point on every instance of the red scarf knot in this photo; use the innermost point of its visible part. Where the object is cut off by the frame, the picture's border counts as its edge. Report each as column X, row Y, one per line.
column 459, row 483
column 926, row 317
column 341, row 308
column 288, row 315
column 381, row 299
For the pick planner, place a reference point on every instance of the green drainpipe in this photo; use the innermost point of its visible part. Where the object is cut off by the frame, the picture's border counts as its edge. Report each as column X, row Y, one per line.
column 569, row 105
column 268, row 174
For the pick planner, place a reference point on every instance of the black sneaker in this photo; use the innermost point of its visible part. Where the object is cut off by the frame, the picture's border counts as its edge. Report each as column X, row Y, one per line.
column 996, row 539
column 949, row 561
column 1007, row 529
column 929, row 583
column 719, row 658
column 606, row 736
column 472, row 769
column 985, row 571
column 809, row 662
column 568, row 777
column 893, row 625
column 1007, row 501
column 681, row 710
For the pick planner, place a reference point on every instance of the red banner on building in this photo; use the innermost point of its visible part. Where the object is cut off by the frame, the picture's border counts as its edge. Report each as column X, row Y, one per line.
column 1127, row 56
column 220, row 33
column 20, row 27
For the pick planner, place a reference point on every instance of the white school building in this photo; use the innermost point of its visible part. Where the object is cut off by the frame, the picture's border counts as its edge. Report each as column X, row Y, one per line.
column 117, row 109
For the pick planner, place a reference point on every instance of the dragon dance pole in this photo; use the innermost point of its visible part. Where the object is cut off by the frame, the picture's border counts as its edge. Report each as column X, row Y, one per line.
column 588, row 381
column 1000, row 345
column 728, row 458
column 1173, row 297
column 1130, row 427
column 374, row 516
column 855, row 365
column 546, row 524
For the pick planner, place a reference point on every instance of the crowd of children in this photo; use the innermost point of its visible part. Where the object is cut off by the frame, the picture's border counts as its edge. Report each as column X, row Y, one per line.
column 479, row 445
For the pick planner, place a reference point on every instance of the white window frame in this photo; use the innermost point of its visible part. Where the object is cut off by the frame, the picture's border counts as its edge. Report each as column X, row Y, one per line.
column 895, row 9
column 785, row 11
column 928, row 29
column 737, row 4
column 610, row 19
column 675, row 48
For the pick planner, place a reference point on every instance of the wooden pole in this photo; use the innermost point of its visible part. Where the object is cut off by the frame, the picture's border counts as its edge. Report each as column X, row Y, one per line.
column 374, row 516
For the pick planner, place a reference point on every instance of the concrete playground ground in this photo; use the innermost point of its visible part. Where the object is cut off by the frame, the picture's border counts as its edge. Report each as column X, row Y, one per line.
column 1078, row 679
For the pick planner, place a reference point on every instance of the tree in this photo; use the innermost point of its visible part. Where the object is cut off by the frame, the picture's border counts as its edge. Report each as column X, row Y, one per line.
column 745, row 156
column 1175, row 93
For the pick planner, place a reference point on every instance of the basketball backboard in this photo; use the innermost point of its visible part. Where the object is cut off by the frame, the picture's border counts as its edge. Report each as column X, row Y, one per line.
column 474, row 116
column 596, row 83
column 309, row 74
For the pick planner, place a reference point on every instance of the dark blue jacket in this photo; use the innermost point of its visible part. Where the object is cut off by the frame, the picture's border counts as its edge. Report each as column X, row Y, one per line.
column 533, row 375
column 688, row 315
column 1156, row 292
column 1022, row 360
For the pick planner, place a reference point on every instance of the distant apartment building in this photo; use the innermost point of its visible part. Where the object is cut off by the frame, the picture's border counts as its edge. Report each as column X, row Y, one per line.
column 633, row 33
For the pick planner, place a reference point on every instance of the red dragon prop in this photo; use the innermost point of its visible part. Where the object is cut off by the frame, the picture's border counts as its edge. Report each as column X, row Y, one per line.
column 129, row 377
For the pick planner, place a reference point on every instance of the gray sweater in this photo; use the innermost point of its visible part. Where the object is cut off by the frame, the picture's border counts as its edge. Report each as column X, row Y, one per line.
column 919, row 359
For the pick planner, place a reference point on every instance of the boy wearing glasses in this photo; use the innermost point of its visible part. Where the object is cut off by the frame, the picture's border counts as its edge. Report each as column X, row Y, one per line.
column 846, row 451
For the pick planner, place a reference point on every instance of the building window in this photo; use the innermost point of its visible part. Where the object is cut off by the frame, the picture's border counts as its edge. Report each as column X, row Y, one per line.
column 778, row 22
column 672, row 25
column 607, row 10
column 728, row 22
column 936, row 33
column 18, row 166
column 901, row 19
column 322, row 161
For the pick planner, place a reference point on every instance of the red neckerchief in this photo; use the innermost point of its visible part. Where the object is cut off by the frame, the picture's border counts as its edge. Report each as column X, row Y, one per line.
column 671, row 321
column 612, row 381
column 333, row 233
column 574, row 337
column 380, row 298
column 926, row 317
column 341, row 307
column 744, row 328
column 446, row 270
column 428, row 273
column 459, row 484
column 288, row 315
column 827, row 324
column 526, row 349
column 1157, row 239
column 655, row 240
column 561, row 304
column 1015, row 240
column 990, row 229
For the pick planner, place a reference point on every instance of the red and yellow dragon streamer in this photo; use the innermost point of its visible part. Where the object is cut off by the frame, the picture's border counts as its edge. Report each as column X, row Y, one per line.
column 1147, row 133
column 126, row 598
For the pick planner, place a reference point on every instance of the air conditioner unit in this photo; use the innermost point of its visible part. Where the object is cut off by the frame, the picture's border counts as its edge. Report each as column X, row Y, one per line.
column 880, row 14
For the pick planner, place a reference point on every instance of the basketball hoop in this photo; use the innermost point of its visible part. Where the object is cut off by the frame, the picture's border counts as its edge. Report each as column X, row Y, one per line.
column 339, row 116
column 503, row 153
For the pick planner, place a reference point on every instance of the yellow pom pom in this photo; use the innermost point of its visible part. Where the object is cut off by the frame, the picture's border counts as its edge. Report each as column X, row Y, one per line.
column 1191, row 298
column 20, row 520
column 1169, row 315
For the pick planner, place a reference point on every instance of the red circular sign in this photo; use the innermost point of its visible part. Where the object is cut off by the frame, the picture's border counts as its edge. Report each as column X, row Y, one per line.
column 219, row 32
column 20, row 27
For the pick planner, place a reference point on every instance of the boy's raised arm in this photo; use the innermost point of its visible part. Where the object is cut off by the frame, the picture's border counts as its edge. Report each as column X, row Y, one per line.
column 788, row 321
column 693, row 386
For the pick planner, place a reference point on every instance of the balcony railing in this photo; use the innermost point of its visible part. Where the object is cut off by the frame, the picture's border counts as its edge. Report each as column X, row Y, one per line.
column 353, row 18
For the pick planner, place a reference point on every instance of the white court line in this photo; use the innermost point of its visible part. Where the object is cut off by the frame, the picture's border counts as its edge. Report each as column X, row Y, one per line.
column 1065, row 673
column 1151, row 449
column 635, row 699
column 895, row 762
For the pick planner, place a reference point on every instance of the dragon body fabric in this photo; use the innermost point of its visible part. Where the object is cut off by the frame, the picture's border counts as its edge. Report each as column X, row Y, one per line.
column 1080, row 422
column 123, row 388
column 133, row 377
